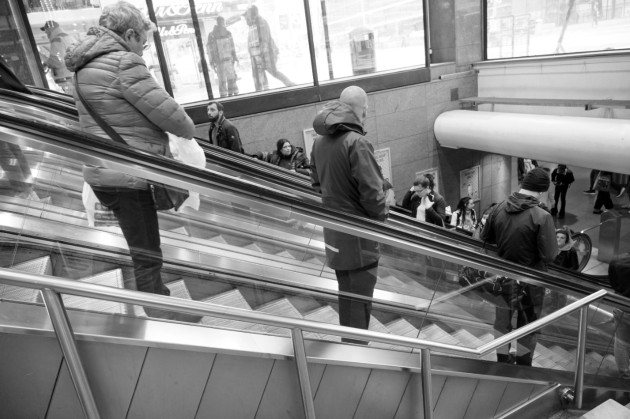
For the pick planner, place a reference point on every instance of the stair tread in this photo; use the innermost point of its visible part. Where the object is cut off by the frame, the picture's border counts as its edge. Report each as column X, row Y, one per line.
column 38, row 266
column 232, row 298
column 113, row 278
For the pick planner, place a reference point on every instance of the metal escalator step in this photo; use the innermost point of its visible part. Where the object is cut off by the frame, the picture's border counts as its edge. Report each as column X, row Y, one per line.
column 253, row 246
column 466, row 338
column 324, row 314
column 609, row 365
column 281, row 307
column 568, row 358
column 546, row 358
column 592, row 362
column 315, row 260
column 180, row 230
column 435, row 333
column 232, row 298
column 217, row 239
column 402, row 327
column 179, row 289
column 286, row 254
column 389, row 282
column 39, row 266
column 113, row 278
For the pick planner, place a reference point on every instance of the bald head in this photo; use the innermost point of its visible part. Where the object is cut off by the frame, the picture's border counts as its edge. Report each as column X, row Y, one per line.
column 356, row 98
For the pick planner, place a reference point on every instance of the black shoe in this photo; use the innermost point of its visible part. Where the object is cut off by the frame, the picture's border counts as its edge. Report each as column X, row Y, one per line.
column 590, row 191
column 524, row 360
column 597, row 211
column 554, row 211
column 505, row 359
column 561, row 215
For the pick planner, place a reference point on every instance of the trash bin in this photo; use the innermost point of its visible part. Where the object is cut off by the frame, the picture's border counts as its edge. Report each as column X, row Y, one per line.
column 609, row 236
column 362, row 51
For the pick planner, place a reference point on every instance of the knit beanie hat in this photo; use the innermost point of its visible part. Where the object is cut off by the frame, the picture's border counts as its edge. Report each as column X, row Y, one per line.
column 536, row 180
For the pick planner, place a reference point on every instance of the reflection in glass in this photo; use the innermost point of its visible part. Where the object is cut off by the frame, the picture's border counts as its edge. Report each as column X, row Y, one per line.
column 361, row 37
column 517, row 29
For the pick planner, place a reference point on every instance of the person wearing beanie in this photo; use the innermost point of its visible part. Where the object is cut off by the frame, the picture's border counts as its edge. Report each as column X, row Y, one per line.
column 619, row 277
column 524, row 233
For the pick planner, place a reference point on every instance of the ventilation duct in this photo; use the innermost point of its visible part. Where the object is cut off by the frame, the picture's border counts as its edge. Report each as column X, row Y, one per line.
column 596, row 143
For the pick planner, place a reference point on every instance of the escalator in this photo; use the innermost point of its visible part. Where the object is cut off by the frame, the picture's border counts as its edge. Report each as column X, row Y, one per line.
column 256, row 248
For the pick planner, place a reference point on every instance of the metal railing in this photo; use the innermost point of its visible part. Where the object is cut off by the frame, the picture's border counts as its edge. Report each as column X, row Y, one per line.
column 51, row 289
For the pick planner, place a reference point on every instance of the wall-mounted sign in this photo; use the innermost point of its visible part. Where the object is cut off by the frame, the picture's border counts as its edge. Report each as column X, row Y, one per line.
column 183, row 10
column 385, row 163
column 469, row 183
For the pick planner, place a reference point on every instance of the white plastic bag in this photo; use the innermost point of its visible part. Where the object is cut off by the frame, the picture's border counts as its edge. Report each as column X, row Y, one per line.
column 191, row 153
column 97, row 214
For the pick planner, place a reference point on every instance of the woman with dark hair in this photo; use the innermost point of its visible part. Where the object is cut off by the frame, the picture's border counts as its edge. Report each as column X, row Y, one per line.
column 567, row 258
column 424, row 203
column 287, row 156
column 464, row 216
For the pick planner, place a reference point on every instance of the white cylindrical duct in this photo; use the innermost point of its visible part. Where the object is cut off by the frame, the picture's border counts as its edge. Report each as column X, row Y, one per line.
column 596, row 143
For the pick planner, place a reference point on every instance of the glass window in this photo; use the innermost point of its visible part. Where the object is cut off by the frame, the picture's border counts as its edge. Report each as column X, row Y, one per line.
column 14, row 47
column 355, row 37
column 535, row 27
column 255, row 48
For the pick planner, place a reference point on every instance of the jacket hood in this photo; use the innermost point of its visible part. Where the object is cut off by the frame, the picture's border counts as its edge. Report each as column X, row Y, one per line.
column 99, row 41
column 518, row 202
column 337, row 118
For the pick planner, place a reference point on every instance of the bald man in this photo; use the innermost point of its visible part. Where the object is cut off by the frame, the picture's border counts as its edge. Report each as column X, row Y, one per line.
column 345, row 172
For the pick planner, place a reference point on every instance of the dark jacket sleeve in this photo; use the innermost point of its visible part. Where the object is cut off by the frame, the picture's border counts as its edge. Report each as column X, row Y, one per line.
column 314, row 176
column 301, row 164
column 366, row 172
column 439, row 206
column 234, row 139
column 406, row 202
column 574, row 263
column 547, row 244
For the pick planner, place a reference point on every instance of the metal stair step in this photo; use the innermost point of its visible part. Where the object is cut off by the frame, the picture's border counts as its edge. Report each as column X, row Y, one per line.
column 113, row 278
column 281, row 307
column 232, row 298
column 324, row 314
column 546, row 358
column 39, row 266
column 568, row 358
column 180, row 230
column 437, row 334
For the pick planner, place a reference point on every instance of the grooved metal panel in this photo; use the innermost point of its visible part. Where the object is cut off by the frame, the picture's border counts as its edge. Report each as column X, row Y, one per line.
column 382, row 395
column 484, row 402
column 455, row 397
column 28, row 370
column 112, row 371
column 235, row 387
column 171, row 384
column 514, row 394
column 340, row 380
column 282, row 397
column 412, row 405
column 39, row 266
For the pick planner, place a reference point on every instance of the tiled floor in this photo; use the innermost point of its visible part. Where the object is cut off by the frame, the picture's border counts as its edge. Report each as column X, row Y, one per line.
column 579, row 215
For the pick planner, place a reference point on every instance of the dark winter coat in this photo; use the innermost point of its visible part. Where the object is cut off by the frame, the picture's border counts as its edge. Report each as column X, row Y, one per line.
column 524, row 232
column 344, row 170
column 227, row 135
column 562, row 179
column 568, row 259
column 297, row 160
column 118, row 85
column 434, row 215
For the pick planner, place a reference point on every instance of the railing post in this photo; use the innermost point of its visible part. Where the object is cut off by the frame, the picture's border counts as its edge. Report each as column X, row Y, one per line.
column 302, row 369
column 427, row 385
column 579, row 358
column 65, row 336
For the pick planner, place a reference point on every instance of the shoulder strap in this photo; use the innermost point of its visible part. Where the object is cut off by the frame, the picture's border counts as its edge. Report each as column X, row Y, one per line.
column 101, row 123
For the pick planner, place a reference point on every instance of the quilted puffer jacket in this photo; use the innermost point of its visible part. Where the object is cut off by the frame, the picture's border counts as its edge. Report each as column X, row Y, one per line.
column 118, row 85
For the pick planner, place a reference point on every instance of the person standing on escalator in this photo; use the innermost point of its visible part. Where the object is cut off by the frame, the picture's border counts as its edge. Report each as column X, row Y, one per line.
column 114, row 79
column 346, row 173
column 525, row 234
column 222, row 132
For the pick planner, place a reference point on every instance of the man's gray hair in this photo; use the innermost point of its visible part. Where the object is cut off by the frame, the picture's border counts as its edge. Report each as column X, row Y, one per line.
column 122, row 16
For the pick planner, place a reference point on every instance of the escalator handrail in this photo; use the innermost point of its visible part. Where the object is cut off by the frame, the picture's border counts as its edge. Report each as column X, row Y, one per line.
column 162, row 169
column 101, row 292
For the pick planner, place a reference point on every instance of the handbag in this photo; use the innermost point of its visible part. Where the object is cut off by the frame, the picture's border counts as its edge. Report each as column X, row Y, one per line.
column 602, row 182
column 164, row 197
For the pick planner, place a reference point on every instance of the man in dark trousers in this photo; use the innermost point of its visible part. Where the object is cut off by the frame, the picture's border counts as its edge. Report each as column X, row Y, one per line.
column 525, row 234
column 344, row 170
column 222, row 132
column 562, row 177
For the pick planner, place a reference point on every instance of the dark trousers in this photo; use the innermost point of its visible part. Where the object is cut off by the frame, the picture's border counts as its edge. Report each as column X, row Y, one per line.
column 526, row 301
column 137, row 217
column 603, row 198
column 354, row 312
column 560, row 196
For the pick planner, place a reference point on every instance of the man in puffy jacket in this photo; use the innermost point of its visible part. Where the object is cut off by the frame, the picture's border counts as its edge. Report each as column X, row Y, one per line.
column 525, row 234
column 344, row 170
column 115, row 81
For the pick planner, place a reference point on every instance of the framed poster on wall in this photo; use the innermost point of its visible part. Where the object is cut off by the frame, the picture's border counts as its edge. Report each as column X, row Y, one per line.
column 309, row 138
column 383, row 158
column 469, row 183
column 433, row 172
